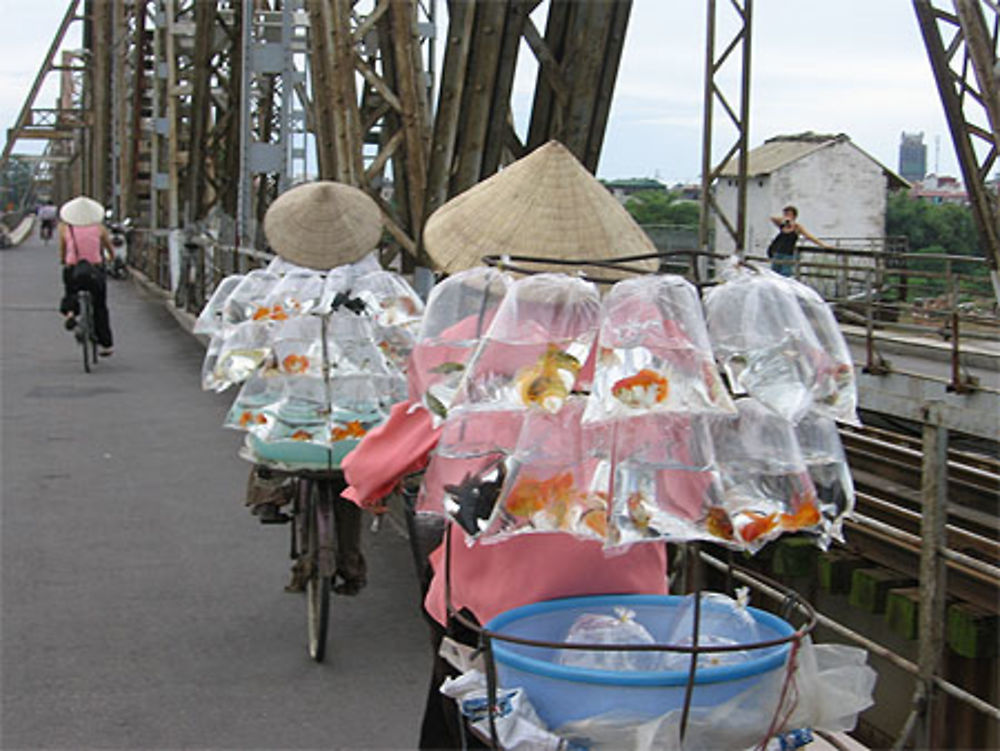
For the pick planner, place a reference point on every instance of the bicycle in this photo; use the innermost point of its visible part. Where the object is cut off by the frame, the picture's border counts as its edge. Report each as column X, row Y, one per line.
column 85, row 332
column 313, row 550
column 45, row 231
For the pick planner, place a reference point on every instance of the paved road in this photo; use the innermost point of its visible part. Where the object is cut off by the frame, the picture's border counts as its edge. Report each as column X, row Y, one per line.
column 142, row 606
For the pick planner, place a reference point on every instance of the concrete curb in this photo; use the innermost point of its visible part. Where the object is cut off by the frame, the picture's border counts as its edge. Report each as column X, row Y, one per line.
column 185, row 319
column 939, row 351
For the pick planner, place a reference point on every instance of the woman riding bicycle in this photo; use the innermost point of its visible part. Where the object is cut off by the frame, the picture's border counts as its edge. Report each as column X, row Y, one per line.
column 83, row 247
column 48, row 215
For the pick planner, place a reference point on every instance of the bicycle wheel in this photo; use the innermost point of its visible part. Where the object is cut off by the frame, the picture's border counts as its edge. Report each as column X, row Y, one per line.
column 84, row 330
column 319, row 537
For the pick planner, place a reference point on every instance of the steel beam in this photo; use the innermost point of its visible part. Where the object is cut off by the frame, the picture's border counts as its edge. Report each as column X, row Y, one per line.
column 963, row 56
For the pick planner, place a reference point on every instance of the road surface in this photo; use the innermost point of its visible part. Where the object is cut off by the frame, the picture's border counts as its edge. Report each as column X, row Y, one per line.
column 142, row 605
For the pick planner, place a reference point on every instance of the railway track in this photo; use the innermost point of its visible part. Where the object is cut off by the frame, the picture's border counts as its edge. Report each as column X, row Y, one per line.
column 886, row 466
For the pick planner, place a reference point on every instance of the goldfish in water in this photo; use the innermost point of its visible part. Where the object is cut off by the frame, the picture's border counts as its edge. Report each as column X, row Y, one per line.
column 295, row 364
column 543, row 384
column 758, row 526
column 278, row 313
column 301, row 435
column 638, row 510
column 644, row 389
column 719, row 524
column 353, row 429
column 806, row 514
column 261, row 313
column 249, row 417
column 596, row 520
column 529, row 496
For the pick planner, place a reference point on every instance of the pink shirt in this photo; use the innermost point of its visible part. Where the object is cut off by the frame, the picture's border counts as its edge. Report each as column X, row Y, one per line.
column 83, row 244
column 489, row 579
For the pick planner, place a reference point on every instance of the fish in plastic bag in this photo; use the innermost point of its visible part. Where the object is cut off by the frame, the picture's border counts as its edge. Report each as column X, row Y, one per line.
column 397, row 310
column 468, row 460
column 459, row 311
column 234, row 354
column 210, row 320
column 654, row 353
column 620, row 628
column 298, row 346
column 536, row 346
column 246, row 303
column 819, row 440
column 836, row 393
column 666, row 482
column 296, row 294
column 557, row 478
column 352, row 348
column 764, row 342
column 766, row 484
column 255, row 405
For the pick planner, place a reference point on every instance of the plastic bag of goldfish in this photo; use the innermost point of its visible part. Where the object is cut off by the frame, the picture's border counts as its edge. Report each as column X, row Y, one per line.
column 610, row 420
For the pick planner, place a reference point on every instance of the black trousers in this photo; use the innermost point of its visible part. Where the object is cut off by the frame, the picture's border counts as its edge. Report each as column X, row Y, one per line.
column 86, row 276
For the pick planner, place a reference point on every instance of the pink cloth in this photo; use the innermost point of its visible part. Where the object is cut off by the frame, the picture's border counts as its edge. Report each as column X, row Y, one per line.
column 396, row 448
column 489, row 579
column 83, row 244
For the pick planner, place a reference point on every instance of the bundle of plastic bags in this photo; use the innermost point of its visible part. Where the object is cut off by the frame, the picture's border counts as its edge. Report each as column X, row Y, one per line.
column 321, row 356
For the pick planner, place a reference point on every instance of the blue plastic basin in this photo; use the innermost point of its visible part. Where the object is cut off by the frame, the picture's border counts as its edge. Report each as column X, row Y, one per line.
column 563, row 693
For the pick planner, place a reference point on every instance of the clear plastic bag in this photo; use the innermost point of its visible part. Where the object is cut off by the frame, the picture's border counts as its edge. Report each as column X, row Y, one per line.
column 210, row 320
column 255, row 405
column 723, row 622
column 557, row 478
column 246, row 303
column 666, row 482
column 819, row 440
column 836, row 393
column 466, row 469
column 766, row 483
column 536, row 346
column 397, row 311
column 620, row 628
column 295, row 294
column 458, row 313
column 235, row 354
column 352, row 346
column 298, row 346
column 764, row 342
column 654, row 353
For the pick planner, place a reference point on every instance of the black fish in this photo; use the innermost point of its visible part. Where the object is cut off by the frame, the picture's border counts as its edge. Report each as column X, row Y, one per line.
column 476, row 496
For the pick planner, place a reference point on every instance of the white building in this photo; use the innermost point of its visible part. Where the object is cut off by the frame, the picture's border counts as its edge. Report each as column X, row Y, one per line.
column 839, row 190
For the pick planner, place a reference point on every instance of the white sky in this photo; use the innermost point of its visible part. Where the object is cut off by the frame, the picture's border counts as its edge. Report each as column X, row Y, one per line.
column 852, row 66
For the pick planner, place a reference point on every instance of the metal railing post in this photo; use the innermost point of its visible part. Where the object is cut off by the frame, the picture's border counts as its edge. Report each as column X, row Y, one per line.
column 934, row 496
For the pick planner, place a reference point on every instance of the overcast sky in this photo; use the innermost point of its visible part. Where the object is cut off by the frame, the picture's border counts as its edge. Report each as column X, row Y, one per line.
column 852, row 66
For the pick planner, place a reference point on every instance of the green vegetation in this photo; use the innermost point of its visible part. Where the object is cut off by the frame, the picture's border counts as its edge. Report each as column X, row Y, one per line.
column 935, row 229
column 662, row 207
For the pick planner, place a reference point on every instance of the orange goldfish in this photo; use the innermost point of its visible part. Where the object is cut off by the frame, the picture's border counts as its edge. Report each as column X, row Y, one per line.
column 261, row 313
column 278, row 313
column 759, row 526
column 644, row 389
column 719, row 524
column 542, row 381
column 596, row 520
column 301, row 435
column 806, row 515
column 249, row 417
column 295, row 363
column 529, row 496
column 353, row 429
column 638, row 511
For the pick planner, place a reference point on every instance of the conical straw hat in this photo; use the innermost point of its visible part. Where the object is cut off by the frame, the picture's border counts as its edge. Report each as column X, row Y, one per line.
column 81, row 211
column 323, row 224
column 545, row 204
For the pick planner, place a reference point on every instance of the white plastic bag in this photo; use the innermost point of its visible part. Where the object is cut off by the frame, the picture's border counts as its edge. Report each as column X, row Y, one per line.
column 620, row 628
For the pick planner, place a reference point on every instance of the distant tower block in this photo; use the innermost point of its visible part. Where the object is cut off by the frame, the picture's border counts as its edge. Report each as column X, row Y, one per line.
column 912, row 157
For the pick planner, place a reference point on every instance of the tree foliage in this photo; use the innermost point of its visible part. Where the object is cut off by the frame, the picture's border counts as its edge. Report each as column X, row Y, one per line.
column 662, row 207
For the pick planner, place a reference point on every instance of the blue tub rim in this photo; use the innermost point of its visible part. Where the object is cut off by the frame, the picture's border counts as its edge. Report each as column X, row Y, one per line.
column 645, row 678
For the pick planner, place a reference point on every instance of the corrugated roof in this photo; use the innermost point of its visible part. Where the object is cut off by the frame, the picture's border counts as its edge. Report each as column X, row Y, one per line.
column 779, row 151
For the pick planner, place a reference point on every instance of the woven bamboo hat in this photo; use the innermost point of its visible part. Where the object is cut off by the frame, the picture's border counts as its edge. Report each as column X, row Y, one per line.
column 323, row 224
column 81, row 212
column 545, row 204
